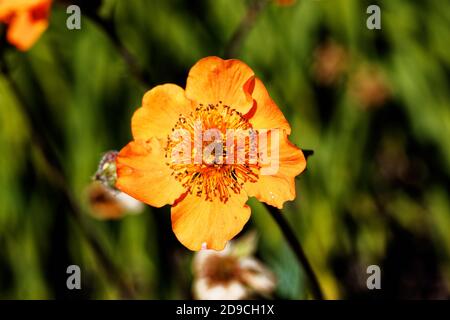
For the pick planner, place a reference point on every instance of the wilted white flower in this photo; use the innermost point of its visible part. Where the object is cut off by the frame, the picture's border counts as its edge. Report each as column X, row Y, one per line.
column 231, row 274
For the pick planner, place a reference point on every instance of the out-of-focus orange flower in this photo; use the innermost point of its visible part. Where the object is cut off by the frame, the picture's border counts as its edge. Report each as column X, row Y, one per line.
column 330, row 62
column 285, row 2
column 208, row 196
column 26, row 20
column 106, row 203
column 369, row 86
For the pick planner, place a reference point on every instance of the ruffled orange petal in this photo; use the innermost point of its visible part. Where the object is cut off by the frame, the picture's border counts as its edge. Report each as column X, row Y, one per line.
column 8, row 7
column 265, row 114
column 277, row 188
column 196, row 221
column 161, row 108
column 212, row 80
column 285, row 2
column 24, row 30
column 143, row 174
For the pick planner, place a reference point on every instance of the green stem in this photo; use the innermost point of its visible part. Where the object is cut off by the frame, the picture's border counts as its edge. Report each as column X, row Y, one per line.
column 57, row 178
column 248, row 21
column 298, row 251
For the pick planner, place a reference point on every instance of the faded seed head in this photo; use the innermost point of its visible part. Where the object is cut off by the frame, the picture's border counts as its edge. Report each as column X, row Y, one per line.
column 106, row 172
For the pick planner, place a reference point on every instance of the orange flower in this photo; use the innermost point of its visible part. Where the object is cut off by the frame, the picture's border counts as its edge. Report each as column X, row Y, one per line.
column 209, row 196
column 108, row 204
column 369, row 87
column 285, row 2
column 330, row 62
column 26, row 19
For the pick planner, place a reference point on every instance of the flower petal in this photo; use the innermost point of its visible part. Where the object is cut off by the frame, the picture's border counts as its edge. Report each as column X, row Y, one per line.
column 233, row 290
column 161, row 108
column 24, row 30
column 279, row 187
column 202, row 257
column 257, row 276
column 212, row 80
column 196, row 221
column 265, row 114
column 8, row 7
column 143, row 174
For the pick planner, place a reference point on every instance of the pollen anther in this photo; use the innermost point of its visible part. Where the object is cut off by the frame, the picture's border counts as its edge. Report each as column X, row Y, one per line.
column 212, row 152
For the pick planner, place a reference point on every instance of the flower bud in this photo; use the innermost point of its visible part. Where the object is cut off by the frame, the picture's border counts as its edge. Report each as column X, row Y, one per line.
column 106, row 172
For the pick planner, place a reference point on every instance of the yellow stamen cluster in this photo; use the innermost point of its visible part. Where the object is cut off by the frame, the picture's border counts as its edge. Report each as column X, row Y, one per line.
column 214, row 176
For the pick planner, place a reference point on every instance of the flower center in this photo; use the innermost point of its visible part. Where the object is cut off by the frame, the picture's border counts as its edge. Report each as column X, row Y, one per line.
column 221, row 270
column 212, row 152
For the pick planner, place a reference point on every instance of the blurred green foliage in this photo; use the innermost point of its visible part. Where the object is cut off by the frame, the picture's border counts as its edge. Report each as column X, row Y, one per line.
column 376, row 190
